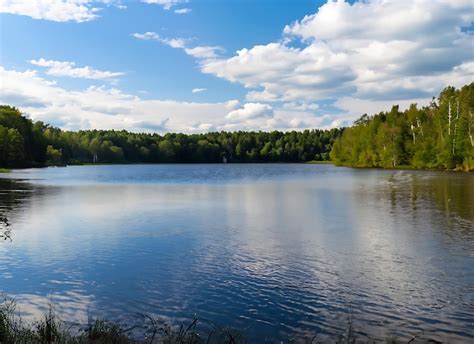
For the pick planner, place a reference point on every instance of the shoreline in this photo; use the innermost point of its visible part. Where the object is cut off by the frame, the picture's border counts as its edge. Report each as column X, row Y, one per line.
column 405, row 168
column 312, row 162
column 50, row 328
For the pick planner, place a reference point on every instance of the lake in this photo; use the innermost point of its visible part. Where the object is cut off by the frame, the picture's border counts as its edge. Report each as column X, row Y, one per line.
column 280, row 250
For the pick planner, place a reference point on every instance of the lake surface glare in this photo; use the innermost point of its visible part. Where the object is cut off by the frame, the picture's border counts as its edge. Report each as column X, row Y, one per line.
column 280, row 250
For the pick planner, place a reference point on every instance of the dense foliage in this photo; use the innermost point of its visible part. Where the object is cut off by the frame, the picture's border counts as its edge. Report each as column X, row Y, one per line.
column 27, row 143
column 437, row 136
column 21, row 140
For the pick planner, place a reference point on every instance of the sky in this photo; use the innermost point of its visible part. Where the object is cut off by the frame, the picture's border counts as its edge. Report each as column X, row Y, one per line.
column 210, row 65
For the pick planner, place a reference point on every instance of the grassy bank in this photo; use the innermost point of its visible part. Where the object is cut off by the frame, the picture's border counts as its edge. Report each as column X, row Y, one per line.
column 50, row 329
column 4, row 170
column 403, row 168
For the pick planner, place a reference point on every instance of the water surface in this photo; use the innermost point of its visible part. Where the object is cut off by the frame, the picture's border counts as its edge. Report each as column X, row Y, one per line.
column 279, row 249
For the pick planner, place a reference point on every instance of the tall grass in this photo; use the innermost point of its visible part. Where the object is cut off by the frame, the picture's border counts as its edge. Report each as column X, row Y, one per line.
column 51, row 330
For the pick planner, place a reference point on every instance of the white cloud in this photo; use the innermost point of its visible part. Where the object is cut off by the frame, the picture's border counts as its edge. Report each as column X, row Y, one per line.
column 303, row 106
column 198, row 90
column 250, row 111
column 182, row 11
column 199, row 52
column 69, row 69
column 284, row 73
column 166, row 4
column 104, row 108
column 355, row 107
column 368, row 55
column 109, row 108
column 57, row 10
column 203, row 52
column 372, row 50
column 147, row 36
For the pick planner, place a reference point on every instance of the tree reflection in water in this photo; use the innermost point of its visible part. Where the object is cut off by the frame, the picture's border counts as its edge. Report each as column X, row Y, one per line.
column 449, row 193
column 12, row 195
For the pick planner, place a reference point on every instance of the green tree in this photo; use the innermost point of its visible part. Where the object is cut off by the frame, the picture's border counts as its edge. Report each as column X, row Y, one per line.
column 53, row 156
column 15, row 147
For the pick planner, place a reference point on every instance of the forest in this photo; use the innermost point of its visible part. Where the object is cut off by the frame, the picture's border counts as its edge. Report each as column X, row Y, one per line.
column 24, row 143
column 438, row 136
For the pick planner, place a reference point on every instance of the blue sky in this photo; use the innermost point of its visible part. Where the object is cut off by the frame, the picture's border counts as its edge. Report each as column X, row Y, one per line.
column 199, row 65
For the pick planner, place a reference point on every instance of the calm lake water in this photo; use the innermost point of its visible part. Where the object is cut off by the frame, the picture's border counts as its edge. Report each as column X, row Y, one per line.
column 278, row 250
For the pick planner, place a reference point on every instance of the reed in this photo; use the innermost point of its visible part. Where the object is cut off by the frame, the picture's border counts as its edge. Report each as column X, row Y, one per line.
column 50, row 329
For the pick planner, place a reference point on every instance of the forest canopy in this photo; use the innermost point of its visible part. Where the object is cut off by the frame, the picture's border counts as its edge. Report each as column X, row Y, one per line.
column 438, row 136
column 26, row 143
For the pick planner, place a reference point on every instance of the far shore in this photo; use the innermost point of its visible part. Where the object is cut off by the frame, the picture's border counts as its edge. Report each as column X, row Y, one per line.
column 311, row 162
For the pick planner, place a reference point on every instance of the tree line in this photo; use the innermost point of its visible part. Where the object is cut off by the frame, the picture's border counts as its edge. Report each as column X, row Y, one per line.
column 438, row 136
column 24, row 143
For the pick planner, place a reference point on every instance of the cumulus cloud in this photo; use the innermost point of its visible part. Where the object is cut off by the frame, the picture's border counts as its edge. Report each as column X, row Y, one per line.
column 360, row 57
column 166, row 4
column 110, row 108
column 284, row 73
column 105, row 108
column 374, row 50
column 57, row 10
column 69, row 69
column 199, row 52
column 250, row 111
column 198, row 90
